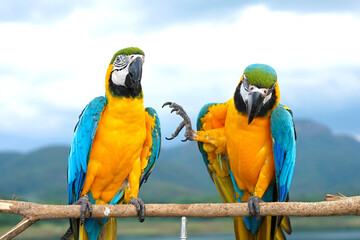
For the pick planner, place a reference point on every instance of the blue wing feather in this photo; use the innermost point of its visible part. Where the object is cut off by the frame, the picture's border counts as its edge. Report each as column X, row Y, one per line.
column 155, row 148
column 284, row 148
column 84, row 134
column 236, row 188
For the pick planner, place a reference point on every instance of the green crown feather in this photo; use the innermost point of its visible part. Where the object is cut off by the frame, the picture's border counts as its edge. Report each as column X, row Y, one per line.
column 261, row 75
column 128, row 51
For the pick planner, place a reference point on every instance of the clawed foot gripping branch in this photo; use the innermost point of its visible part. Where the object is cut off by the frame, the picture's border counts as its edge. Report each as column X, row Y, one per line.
column 33, row 212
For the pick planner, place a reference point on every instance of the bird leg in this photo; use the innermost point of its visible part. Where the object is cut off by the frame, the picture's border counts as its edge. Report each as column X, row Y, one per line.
column 140, row 207
column 254, row 208
column 85, row 203
column 179, row 110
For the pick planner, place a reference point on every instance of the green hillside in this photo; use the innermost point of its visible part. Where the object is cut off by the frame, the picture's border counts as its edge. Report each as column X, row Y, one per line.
column 38, row 176
column 326, row 163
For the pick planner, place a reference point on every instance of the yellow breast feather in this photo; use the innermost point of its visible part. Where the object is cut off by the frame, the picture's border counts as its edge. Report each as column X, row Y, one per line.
column 118, row 143
column 249, row 148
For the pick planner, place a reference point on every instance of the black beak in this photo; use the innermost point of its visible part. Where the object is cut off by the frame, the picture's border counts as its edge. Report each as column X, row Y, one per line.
column 254, row 104
column 133, row 79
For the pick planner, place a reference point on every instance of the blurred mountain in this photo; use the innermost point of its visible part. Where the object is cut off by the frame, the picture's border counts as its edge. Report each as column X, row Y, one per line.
column 326, row 163
column 38, row 176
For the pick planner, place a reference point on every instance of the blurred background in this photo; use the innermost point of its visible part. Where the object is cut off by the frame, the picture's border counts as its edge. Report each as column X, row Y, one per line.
column 53, row 59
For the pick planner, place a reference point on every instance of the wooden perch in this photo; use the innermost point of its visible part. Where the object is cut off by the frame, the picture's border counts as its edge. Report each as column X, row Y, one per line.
column 32, row 212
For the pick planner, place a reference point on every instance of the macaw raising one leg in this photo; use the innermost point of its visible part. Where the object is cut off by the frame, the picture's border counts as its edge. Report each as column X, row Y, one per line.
column 248, row 146
column 115, row 146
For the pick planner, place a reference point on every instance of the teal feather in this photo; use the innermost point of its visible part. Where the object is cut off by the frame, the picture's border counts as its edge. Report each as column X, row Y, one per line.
column 203, row 111
column 78, row 159
column 81, row 145
column 156, row 145
column 284, row 148
column 236, row 188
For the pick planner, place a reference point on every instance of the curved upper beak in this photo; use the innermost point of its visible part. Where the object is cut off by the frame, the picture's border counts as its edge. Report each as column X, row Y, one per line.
column 254, row 104
column 133, row 79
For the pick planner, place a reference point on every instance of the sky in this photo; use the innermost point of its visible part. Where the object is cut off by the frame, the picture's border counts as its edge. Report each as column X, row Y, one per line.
column 54, row 55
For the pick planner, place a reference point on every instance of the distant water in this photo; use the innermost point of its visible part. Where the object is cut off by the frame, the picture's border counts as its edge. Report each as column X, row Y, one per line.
column 192, row 237
column 330, row 235
column 298, row 235
column 308, row 235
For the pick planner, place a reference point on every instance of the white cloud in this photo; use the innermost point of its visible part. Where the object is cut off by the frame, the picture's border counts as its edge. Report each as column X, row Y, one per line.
column 64, row 63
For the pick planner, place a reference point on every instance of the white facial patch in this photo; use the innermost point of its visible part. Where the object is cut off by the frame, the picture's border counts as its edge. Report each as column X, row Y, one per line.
column 244, row 93
column 121, row 68
column 118, row 76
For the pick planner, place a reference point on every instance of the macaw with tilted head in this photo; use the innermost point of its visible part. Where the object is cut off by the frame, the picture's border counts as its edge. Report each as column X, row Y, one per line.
column 115, row 146
column 248, row 146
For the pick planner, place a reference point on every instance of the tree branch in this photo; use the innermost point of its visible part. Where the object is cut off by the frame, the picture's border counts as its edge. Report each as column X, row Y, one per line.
column 19, row 228
column 338, row 207
column 32, row 212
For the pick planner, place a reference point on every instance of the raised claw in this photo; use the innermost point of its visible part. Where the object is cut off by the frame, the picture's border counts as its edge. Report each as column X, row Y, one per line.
column 184, row 140
column 254, row 208
column 165, row 104
column 173, row 105
column 189, row 132
column 178, row 129
column 85, row 203
column 174, row 110
column 140, row 207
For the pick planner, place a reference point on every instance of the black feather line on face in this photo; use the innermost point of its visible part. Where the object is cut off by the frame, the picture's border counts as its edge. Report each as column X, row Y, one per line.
column 241, row 106
column 122, row 91
column 239, row 103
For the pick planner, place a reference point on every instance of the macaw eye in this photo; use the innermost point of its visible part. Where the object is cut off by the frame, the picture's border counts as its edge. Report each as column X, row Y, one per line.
column 121, row 61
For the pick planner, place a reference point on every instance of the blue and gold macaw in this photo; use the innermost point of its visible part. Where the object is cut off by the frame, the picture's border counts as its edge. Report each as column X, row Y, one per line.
column 115, row 146
column 248, row 146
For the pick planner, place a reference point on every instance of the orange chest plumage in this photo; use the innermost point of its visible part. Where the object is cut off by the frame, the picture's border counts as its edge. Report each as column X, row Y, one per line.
column 117, row 144
column 249, row 147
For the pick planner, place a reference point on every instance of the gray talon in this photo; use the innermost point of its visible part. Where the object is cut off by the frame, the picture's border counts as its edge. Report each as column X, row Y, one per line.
column 178, row 129
column 254, row 208
column 165, row 104
column 85, row 203
column 184, row 140
column 140, row 207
